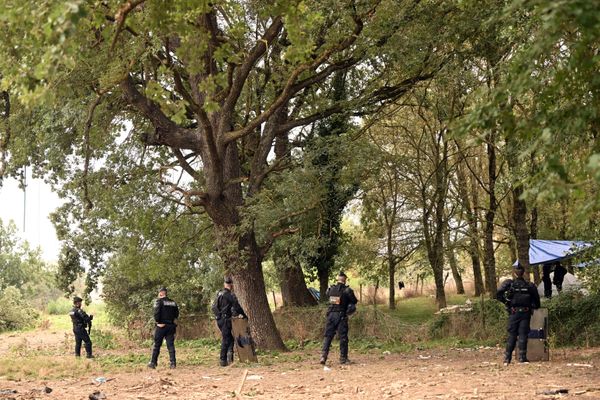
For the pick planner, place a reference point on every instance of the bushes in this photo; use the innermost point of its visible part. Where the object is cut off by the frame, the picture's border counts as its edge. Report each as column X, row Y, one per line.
column 575, row 319
column 15, row 313
column 487, row 323
column 60, row 306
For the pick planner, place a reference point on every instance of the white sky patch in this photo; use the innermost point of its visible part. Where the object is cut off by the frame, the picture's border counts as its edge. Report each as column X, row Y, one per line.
column 39, row 202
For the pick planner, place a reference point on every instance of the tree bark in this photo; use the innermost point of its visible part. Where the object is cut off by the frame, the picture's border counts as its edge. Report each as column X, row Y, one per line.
column 294, row 292
column 533, row 234
column 473, row 229
column 460, row 288
column 520, row 227
column 250, row 289
column 392, row 274
column 489, row 259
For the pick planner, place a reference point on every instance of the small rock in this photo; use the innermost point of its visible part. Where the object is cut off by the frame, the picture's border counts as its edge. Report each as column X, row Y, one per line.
column 97, row 396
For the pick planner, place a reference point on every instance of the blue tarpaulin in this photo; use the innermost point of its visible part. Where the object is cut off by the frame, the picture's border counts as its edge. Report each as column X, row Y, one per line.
column 545, row 251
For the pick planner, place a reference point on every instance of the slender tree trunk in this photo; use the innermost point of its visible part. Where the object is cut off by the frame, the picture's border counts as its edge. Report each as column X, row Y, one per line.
column 460, row 289
column 520, row 227
column 533, row 233
column 471, row 216
column 294, row 292
column 392, row 272
column 489, row 259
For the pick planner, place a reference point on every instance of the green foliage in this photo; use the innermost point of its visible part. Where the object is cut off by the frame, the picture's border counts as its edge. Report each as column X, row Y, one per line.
column 15, row 313
column 575, row 319
column 485, row 322
column 60, row 306
column 69, row 269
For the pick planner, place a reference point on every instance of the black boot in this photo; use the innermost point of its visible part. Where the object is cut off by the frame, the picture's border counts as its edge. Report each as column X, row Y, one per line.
column 323, row 359
column 223, row 363
column 523, row 357
column 507, row 358
column 151, row 365
column 345, row 360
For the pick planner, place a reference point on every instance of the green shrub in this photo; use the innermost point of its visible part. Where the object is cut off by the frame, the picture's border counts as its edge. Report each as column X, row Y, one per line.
column 575, row 319
column 485, row 322
column 60, row 306
column 15, row 313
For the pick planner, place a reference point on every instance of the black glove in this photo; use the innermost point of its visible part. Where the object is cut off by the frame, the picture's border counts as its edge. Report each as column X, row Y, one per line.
column 91, row 317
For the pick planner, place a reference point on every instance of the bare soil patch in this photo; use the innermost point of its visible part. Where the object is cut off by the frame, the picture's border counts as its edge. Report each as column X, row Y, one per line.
column 426, row 374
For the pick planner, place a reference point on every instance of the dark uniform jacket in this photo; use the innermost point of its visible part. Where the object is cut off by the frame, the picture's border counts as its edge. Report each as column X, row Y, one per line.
column 165, row 311
column 341, row 299
column 226, row 305
column 518, row 294
column 79, row 318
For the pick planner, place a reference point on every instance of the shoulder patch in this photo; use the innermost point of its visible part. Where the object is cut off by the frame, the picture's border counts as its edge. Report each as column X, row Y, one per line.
column 72, row 313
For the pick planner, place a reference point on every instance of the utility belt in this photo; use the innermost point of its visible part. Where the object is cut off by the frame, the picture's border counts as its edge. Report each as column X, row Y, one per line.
column 78, row 326
column 223, row 316
column 514, row 310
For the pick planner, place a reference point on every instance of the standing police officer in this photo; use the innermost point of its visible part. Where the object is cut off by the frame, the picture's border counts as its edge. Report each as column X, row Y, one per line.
column 80, row 322
column 521, row 298
column 224, row 307
column 165, row 314
column 342, row 302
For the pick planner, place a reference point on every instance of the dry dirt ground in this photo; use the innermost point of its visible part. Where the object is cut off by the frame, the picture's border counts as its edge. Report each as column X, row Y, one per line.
column 425, row 374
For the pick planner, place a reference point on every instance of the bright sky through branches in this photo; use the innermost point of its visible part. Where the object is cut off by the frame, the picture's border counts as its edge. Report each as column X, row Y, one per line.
column 41, row 201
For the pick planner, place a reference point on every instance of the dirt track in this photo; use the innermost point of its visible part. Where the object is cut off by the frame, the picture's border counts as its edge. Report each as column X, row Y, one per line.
column 443, row 374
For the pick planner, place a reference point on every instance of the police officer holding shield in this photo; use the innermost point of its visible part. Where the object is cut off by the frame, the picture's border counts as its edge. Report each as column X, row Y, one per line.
column 81, row 321
column 521, row 298
column 342, row 303
column 226, row 306
column 166, row 312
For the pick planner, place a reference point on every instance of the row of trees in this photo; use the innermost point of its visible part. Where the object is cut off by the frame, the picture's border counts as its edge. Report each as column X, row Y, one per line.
column 195, row 139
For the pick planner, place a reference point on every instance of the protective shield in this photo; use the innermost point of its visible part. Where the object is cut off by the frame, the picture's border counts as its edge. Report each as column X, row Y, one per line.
column 244, row 344
column 537, row 343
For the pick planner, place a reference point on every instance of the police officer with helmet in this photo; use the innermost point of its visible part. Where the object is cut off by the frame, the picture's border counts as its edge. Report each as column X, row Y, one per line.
column 226, row 306
column 81, row 321
column 166, row 312
column 342, row 303
column 521, row 298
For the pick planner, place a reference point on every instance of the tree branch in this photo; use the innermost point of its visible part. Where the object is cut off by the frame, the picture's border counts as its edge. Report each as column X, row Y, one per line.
column 121, row 16
column 166, row 131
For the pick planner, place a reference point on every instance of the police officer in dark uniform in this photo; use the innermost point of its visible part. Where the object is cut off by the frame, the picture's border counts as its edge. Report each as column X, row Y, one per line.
column 165, row 314
column 521, row 298
column 225, row 307
column 342, row 303
column 559, row 276
column 81, row 321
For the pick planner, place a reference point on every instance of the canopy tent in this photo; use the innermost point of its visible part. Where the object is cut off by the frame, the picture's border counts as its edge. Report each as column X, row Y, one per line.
column 547, row 251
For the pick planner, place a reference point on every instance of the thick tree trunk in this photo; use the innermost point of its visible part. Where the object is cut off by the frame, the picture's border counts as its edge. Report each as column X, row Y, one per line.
column 323, row 268
column 293, row 286
column 249, row 286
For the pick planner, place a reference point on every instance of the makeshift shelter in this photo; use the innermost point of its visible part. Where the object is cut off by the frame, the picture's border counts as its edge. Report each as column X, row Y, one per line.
column 570, row 283
column 548, row 251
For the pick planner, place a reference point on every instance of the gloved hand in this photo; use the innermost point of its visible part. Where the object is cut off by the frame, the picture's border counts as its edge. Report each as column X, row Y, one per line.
column 91, row 317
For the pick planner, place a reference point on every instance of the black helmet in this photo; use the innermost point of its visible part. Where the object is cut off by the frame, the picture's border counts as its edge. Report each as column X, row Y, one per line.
column 519, row 266
column 162, row 289
column 342, row 274
column 228, row 280
column 77, row 299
